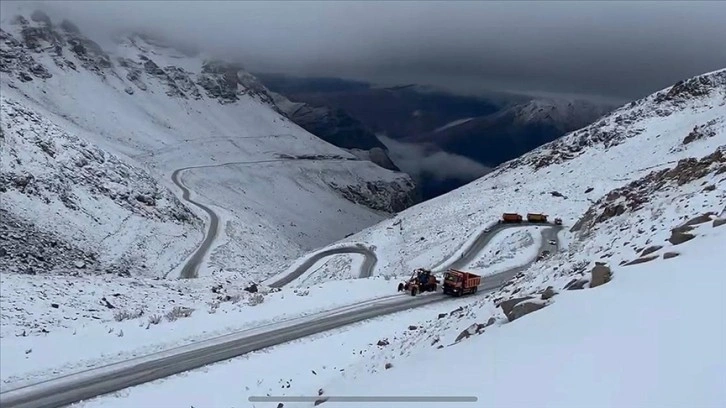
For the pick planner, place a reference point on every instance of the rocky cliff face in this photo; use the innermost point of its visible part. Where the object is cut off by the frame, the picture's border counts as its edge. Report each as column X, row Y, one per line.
column 220, row 80
column 337, row 127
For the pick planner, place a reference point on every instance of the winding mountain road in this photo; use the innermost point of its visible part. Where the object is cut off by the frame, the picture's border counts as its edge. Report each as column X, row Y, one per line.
column 98, row 381
column 190, row 269
column 191, row 266
column 369, row 262
column 370, row 259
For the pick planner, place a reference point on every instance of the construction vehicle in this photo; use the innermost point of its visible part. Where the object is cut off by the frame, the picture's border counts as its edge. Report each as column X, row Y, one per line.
column 558, row 221
column 532, row 217
column 511, row 217
column 422, row 280
column 457, row 283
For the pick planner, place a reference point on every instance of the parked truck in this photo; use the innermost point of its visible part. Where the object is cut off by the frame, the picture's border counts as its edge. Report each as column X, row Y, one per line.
column 457, row 283
column 532, row 217
column 558, row 221
column 511, row 217
column 422, row 280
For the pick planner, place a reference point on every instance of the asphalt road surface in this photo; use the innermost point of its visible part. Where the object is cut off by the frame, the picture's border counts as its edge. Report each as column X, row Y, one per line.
column 91, row 383
column 369, row 263
column 191, row 267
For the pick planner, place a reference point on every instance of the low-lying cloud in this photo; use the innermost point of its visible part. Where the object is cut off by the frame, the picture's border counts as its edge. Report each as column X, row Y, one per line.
column 418, row 160
column 611, row 49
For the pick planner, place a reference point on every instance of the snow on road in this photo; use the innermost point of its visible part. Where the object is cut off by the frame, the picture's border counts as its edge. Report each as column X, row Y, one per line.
column 303, row 365
column 89, row 157
column 335, row 267
column 631, row 342
column 37, row 357
column 508, row 249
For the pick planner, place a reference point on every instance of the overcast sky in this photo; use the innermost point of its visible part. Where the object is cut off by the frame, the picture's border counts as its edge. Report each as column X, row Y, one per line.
column 609, row 49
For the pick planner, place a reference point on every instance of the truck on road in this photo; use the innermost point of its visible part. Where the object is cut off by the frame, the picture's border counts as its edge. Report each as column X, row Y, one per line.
column 511, row 217
column 457, row 283
column 532, row 217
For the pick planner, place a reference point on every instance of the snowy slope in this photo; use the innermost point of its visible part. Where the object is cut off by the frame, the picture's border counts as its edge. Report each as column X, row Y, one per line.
column 68, row 206
column 159, row 109
column 565, row 177
column 632, row 342
column 629, row 343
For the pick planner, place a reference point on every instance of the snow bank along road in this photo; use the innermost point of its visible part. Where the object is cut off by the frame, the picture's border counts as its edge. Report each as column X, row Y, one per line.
column 91, row 383
column 366, row 269
column 191, row 267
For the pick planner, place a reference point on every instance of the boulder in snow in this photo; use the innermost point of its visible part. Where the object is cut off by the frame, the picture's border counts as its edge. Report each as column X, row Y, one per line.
column 642, row 259
column 508, row 305
column 601, row 275
column 678, row 238
column 651, row 249
column 525, row 308
column 669, row 255
column 548, row 293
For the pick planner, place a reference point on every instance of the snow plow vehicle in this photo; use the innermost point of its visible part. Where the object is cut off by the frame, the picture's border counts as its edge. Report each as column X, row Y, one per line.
column 422, row 280
column 457, row 283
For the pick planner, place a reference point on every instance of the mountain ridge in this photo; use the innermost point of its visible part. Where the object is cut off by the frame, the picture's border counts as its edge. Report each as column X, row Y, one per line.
column 157, row 109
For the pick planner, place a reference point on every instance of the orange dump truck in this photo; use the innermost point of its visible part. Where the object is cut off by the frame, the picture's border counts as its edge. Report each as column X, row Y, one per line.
column 457, row 283
column 511, row 217
column 531, row 217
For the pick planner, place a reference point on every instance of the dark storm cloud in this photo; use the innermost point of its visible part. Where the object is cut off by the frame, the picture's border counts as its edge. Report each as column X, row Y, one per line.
column 611, row 49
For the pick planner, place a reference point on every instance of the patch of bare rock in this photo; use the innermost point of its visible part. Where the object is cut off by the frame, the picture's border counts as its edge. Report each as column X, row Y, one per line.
column 599, row 275
column 476, row 328
column 642, row 259
column 636, row 194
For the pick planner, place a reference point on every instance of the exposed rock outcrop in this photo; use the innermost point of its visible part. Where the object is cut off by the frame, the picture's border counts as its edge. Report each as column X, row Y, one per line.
column 601, row 274
column 633, row 196
column 525, row 308
column 382, row 196
column 669, row 255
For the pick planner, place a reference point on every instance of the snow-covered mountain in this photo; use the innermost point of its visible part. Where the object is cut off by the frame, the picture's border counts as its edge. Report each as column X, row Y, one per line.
column 498, row 137
column 337, row 127
column 642, row 192
column 628, row 312
column 681, row 128
column 92, row 136
column 419, row 124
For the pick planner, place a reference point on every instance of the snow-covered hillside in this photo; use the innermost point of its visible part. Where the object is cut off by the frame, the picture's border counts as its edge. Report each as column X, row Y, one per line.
column 643, row 194
column 278, row 190
column 637, row 340
column 646, row 160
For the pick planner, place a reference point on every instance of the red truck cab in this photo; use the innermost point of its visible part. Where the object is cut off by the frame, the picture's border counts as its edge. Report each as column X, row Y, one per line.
column 459, row 283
